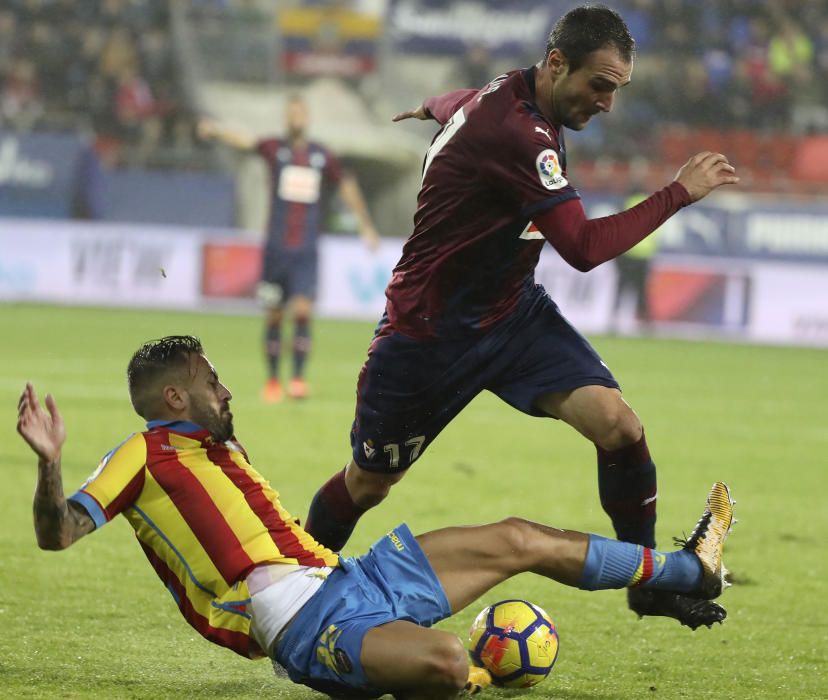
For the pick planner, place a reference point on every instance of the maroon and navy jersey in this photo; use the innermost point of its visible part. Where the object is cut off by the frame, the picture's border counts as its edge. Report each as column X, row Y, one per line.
column 300, row 179
column 496, row 163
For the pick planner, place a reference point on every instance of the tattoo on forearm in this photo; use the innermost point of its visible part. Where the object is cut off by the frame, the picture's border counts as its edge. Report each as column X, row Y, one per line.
column 56, row 524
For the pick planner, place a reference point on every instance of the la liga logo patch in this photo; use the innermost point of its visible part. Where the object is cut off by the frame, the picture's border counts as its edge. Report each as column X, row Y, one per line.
column 549, row 170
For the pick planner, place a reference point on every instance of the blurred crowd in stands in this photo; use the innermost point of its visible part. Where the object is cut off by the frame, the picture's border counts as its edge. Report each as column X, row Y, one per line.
column 109, row 66
column 729, row 64
column 106, row 67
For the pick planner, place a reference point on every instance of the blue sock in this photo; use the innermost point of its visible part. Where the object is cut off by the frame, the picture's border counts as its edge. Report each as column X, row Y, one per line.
column 613, row 564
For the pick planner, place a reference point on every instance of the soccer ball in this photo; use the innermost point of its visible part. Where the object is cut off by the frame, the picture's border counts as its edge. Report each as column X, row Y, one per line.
column 515, row 641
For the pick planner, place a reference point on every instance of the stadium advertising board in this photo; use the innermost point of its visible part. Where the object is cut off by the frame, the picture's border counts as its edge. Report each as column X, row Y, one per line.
column 586, row 300
column 99, row 264
column 739, row 227
column 763, row 297
column 332, row 41
column 42, row 174
column 352, row 280
column 789, row 304
column 441, row 28
column 210, row 198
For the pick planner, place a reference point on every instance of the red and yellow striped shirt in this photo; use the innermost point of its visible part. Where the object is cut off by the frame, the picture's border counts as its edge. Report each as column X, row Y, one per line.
column 205, row 519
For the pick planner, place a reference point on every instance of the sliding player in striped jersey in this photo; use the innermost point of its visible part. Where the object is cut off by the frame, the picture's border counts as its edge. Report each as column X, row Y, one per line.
column 246, row 576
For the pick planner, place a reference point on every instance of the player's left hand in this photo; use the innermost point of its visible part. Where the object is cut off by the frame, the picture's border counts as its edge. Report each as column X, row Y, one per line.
column 704, row 172
column 42, row 430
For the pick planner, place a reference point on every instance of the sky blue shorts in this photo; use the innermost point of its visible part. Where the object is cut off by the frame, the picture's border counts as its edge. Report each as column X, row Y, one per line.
column 393, row 581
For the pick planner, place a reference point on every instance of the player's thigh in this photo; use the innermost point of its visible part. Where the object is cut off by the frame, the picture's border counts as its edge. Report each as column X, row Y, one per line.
column 468, row 561
column 302, row 280
column 546, row 355
column 599, row 413
column 401, row 654
column 407, row 392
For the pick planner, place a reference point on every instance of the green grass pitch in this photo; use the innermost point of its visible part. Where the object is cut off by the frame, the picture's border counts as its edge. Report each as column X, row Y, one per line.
column 94, row 622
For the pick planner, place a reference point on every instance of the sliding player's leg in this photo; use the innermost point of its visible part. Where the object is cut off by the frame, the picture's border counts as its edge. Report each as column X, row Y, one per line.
column 468, row 561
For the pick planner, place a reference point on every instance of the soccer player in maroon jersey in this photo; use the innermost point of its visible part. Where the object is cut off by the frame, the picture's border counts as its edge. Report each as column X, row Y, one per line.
column 247, row 577
column 464, row 313
column 301, row 171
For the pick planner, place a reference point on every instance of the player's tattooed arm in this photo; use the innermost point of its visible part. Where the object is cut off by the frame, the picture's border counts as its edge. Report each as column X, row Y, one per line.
column 58, row 522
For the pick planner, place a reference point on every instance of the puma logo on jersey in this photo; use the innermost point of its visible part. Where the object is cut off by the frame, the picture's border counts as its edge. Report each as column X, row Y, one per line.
column 545, row 132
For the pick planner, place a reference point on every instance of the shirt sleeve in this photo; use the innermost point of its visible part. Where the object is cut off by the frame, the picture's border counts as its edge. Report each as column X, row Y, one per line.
column 116, row 483
column 267, row 149
column 442, row 108
column 333, row 171
column 585, row 243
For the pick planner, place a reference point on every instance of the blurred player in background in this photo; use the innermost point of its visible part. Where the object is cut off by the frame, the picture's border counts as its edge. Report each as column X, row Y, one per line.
column 247, row 577
column 301, row 173
column 633, row 269
column 464, row 313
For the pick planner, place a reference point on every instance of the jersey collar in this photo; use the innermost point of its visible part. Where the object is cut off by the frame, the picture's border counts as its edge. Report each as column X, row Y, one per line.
column 529, row 77
column 180, row 426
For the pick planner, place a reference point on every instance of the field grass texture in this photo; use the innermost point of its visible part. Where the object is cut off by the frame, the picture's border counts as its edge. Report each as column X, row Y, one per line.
column 95, row 622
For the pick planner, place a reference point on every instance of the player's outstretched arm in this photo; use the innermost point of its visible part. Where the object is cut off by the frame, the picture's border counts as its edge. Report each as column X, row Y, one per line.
column 418, row 113
column 704, row 172
column 585, row 243
column 58, row 522
column 440, row 108
column 211, row 130
column 351, row 194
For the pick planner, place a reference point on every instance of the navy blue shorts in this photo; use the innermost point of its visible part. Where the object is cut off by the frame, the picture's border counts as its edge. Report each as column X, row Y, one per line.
column 289, row 275
column 394, row 581
column 409, row 390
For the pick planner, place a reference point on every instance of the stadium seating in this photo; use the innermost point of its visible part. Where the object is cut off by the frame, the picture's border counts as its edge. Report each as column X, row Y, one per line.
column 810, row 160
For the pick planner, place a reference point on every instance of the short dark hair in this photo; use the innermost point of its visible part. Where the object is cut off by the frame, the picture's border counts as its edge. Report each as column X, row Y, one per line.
column 154, row 360
column 586, row 29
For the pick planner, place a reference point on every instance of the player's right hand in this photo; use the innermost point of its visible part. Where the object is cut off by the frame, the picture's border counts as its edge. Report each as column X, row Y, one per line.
column 43, row 431
column 704, row 172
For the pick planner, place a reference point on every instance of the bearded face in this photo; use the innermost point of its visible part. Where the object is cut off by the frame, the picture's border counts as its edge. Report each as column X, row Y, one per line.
column 218, row 420
column 209, row 401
